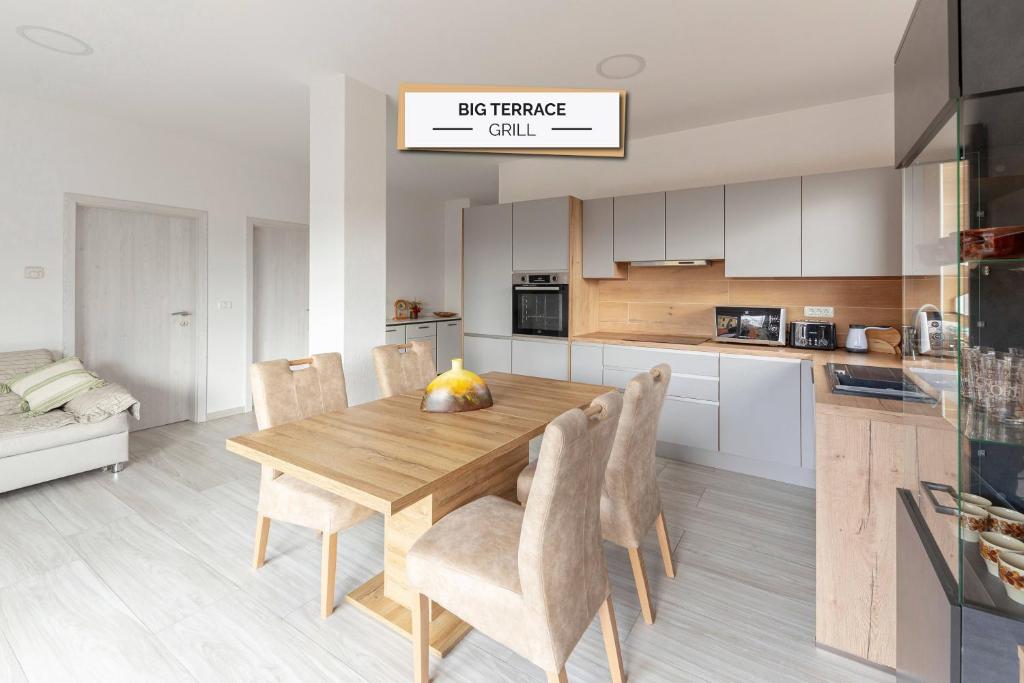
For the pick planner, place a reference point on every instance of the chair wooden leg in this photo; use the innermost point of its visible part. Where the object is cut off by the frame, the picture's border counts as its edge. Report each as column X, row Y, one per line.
column 421, row 639
column 610, row 631
column 262, row 534
column 328, row 561
column 636, row 558
column 559, row 677
column 666, row 549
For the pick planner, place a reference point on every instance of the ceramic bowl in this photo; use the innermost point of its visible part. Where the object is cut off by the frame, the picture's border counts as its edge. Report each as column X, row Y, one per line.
column 1006, row 521
column 975, row 500
column 991, row 543
column 1011, row 573
column 973, row 520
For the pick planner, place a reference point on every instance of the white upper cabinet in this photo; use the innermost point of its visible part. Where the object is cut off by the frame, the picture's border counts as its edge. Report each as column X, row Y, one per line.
column 540, row 235
column 695, row 223
column 487, row 269
column 762, row 229
column 851, row 223
column 598, row 240
column 640, row 227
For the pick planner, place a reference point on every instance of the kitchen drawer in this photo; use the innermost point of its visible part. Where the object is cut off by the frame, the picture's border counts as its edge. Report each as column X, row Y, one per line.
column 641, row 358
column 417, row 330
column 587, row 363
column 683, row 386
column 394, row 334
column 689, row 423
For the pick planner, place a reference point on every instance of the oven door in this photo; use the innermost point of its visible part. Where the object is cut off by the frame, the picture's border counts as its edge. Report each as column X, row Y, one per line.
column 540, row 310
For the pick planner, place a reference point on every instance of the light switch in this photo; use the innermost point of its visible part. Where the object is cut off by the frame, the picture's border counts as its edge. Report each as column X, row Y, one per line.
column 223, row 304
column 819, row 311
column 34, row 272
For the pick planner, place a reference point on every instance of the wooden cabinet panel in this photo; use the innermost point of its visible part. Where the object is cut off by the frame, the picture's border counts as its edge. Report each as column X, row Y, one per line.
column 851, row 223
column 640, row 227
column 449, row 343
column 540, row 359
column 487, row 269
column 587, row 363
column 695, row 223
column 599, row 240
column 487, row 354
column 762, row 229
column 689, row 423
column 540, row 234
column 760, row 408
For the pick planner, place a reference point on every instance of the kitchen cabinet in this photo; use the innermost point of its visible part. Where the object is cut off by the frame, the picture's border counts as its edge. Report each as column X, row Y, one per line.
column 762, row 229
column 540, row 235
column 487, row 269
column 760, row 415
column 394, row 334
column 695, row 223
column 851, row 223
column 681, row 386
column 587, row 364
column 420, row 330
column 487, row 354
column 641, row 358
column 449, row 343
column 599, row 240
column 639, row 221
column 540, row 358
column 689, row 423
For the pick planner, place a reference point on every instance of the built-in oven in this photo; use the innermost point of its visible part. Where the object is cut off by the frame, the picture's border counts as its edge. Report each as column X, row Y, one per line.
column 540, row 304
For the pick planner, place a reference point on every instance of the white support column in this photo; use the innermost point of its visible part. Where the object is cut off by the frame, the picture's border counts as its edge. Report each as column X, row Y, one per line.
column 453, row 254
column 347, row 226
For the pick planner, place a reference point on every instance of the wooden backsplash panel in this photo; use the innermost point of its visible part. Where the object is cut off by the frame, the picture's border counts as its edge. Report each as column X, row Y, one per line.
column 682, row 300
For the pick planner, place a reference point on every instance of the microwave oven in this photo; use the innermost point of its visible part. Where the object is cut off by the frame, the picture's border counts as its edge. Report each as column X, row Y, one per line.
column 750, row 325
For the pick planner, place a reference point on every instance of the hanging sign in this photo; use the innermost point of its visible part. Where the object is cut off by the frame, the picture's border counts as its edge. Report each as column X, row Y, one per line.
column 518, row 120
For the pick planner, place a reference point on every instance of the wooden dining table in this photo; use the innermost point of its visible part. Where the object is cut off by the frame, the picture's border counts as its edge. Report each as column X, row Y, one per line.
column 414, row 468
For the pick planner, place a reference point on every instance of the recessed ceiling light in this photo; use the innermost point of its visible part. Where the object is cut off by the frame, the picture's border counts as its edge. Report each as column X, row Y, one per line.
column 55, row 40
column 621, row 66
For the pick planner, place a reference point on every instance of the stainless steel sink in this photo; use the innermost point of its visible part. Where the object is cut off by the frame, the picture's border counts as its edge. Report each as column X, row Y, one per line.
column 874, row 382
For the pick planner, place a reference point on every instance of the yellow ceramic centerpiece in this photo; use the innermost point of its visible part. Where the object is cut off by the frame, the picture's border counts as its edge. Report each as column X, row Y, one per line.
column 456, row 391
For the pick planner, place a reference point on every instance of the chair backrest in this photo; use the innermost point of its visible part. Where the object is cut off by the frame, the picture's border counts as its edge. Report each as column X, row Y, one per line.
column 631, row 500
column 281, row 394
column 400, row 373
column 561, row 561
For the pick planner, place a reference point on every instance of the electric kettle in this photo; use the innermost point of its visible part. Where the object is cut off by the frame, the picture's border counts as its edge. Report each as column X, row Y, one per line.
column 857, row 337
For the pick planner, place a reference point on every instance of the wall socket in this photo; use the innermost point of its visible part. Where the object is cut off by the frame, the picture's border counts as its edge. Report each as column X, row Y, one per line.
column 34, row 272
column 819, row 311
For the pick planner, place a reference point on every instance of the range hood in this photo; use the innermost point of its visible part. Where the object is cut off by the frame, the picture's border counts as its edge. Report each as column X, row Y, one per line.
column 659, row 264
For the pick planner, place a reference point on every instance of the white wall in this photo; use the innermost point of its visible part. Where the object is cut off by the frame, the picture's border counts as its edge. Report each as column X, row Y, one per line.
column 833, row 137
column 416, row 250
column 47, row 150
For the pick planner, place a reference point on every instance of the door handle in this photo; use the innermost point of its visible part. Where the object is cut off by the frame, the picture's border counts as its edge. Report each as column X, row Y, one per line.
column 929, row 489
column 184, row 313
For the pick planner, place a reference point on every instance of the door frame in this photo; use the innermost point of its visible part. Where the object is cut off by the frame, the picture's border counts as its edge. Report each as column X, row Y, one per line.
column 250, row 286
column 72, row 202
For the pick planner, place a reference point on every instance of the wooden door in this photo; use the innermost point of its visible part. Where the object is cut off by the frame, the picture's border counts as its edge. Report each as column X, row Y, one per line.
column 280, row 291
column 135, row 301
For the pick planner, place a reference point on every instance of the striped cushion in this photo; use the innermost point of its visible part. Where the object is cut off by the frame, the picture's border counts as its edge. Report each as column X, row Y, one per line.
column 14, row 364
column 53, row 385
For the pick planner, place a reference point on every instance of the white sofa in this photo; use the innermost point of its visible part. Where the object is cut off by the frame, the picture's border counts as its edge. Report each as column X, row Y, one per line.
column 34, row 449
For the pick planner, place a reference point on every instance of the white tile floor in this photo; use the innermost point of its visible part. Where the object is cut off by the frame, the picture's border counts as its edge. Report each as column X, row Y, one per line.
column 145, row 576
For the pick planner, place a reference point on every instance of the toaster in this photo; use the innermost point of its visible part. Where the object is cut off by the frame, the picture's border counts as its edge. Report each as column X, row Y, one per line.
column 811, row 334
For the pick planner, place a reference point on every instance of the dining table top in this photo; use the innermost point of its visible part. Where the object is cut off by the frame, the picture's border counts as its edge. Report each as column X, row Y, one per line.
column 387, row 454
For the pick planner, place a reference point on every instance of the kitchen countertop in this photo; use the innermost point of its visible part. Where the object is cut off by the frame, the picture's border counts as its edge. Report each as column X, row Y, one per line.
column 942, row 415
column 422, row 319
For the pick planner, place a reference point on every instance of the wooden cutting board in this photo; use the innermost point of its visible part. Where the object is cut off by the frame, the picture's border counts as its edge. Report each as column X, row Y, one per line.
column 885, row 341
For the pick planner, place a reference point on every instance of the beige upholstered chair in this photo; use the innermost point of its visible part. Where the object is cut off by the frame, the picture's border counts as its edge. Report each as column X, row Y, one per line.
column 631, row 504
column 529, row 577
column 280, row 395
column 400, row 373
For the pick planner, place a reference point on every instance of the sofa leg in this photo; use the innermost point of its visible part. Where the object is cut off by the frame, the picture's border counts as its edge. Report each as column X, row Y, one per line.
column 116, row 467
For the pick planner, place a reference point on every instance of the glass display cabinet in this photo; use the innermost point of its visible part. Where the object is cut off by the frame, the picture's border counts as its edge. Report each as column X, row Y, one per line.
column 960, row 526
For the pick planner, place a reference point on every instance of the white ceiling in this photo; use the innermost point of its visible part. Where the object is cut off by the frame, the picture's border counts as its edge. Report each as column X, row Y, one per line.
column 236, row 70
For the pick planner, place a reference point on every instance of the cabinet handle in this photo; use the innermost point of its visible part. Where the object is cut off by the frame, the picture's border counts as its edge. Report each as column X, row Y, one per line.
column 424, row 327
column 452, row 324
column 929, row 490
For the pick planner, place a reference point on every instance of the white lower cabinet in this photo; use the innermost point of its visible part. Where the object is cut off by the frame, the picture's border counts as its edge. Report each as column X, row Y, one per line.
column 487, row 354
column 760, row 414
column 449, row 343
column 689, row 423
column 394, row 334
column 548, row 359
column 587, row 363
